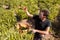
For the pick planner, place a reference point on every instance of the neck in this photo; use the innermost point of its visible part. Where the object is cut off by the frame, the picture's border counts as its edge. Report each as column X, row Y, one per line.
column 43, row 19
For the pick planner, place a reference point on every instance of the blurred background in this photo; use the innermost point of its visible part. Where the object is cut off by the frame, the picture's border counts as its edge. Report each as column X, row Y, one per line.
column 10, row 8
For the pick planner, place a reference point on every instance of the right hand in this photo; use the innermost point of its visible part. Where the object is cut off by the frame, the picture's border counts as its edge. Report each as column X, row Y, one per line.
column 25, row 9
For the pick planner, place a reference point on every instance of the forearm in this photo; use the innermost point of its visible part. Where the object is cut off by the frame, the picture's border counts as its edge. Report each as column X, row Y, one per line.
column 42, row 32
column 29, row 14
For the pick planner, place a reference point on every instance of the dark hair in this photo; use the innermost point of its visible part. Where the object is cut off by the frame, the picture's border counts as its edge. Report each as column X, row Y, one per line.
column 46, row 13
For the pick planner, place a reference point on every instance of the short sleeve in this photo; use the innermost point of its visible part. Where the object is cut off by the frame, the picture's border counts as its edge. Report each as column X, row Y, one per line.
column 35, row 16
column 48, row 24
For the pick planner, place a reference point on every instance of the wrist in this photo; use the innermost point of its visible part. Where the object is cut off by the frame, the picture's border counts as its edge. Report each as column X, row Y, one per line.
column 36, row 30
column 26, row 10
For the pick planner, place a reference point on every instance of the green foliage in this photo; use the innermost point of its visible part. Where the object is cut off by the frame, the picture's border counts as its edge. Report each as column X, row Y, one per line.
column 8, row 19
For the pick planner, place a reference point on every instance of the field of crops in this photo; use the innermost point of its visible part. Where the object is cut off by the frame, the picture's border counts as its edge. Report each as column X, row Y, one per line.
column 8, row 9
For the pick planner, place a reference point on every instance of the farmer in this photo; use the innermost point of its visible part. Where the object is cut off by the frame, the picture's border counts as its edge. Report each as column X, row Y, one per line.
column 42, row 24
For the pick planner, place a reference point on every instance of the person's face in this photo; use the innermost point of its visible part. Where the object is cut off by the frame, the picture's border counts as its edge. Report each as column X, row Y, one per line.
column 41, row 15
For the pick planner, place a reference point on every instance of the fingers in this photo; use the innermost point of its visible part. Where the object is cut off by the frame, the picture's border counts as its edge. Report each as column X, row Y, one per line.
column 25, row 9
column 33, row 30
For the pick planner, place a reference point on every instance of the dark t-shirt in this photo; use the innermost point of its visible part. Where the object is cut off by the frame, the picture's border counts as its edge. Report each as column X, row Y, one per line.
column 39, row 25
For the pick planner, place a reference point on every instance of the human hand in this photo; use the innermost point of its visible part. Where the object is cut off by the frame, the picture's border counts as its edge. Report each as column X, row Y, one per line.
column 34, row 31
column 25, row 9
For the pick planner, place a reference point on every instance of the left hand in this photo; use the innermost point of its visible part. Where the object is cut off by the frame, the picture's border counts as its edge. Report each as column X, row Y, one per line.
column 34, row 31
